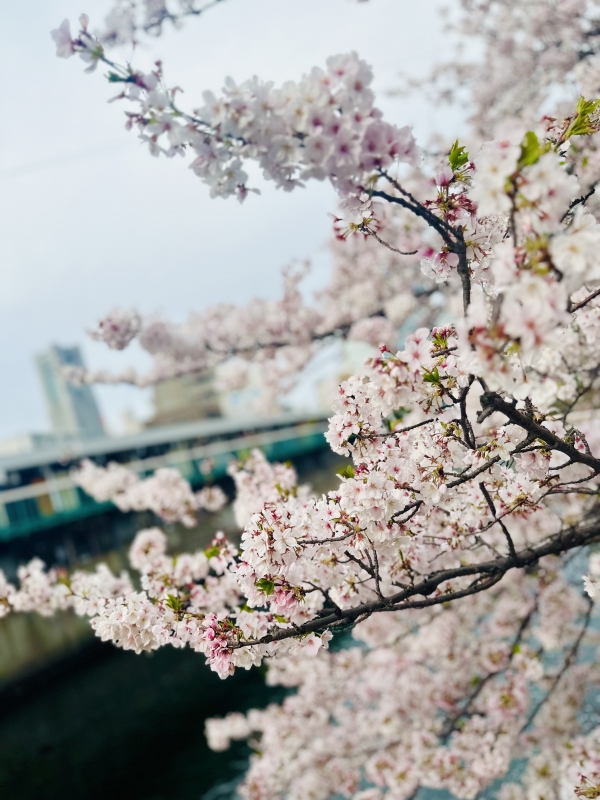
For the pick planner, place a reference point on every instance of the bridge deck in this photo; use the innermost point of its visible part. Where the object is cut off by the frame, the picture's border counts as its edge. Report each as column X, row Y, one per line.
column 47, row 496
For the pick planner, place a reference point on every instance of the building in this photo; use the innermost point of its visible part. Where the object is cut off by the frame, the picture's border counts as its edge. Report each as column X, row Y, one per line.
column 186, row 399
column 73, row 409
column 29, row 443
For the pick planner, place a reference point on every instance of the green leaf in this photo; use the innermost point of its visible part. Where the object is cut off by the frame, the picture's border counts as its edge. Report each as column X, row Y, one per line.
column 431, row 376
column 440, row 342
column 457, row 157
column 531, row 150
column 265, row 585
column 586, row 107
column 213, row 551
column 582, row 125
column 279, row 618
column 347, row 471
column 174, row 602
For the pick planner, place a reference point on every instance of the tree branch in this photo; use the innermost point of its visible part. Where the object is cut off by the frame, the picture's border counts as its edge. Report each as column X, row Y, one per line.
column 566, row 664
column 486, row 574
column 583, row 303
column 491, row 401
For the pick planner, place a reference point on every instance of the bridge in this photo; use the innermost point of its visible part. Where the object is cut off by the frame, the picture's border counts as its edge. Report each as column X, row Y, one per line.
column 43, row 512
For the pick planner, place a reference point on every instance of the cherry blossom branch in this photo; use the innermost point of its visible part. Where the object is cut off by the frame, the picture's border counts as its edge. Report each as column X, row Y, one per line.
column 394, row 432
column 451, row 723
column 581, row 200
column 453, row 236
column 589, row 298
column 418, row 210
column 569, row 660
column 490, row 502
column 365, row 229
column 155, row 25
column 492, row 401
column 486, row 574
column 126, row 19
column 419, row 519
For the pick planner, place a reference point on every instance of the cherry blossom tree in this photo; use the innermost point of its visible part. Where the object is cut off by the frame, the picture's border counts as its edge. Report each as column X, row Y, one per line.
column 527, row 59
column 445, row 557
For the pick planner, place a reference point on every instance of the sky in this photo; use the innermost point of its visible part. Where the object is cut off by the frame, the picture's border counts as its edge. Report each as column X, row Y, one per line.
column 90, row 221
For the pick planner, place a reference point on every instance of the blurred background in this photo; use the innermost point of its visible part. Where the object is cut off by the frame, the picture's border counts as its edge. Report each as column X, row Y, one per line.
column 90, row 221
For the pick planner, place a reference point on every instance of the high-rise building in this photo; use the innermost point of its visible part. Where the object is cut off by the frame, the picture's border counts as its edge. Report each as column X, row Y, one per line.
column 185, row 399
column 73, row 409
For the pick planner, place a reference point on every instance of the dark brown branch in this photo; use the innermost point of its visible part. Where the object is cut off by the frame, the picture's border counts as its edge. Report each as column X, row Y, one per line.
column 330, row 541
column 486, row 574
column 463, row 478
column 465, row 423
column 419, row 211
column 491, row 401
column 486, row 494
column 377, row 575
column 369, row 232
column 368, row 569
column 580, row 200
column 583, row 303
column 412, row 199
column 574, row 490
column 460, row 249
column 453, row 237
column 395, row 432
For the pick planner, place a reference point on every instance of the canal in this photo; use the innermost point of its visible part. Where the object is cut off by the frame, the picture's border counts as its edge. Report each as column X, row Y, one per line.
column 95, row 722
column 110, row 724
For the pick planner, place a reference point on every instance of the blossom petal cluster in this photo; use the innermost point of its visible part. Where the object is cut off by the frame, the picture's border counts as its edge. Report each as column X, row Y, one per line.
column 166, row 492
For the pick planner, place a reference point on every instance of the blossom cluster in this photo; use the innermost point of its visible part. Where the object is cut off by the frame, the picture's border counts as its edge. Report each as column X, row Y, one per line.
column 324, row 127
column 440, row 702
column 166, row 492
column 128, row 20
column 525, row 53
column 258, row 482
column 371, row 294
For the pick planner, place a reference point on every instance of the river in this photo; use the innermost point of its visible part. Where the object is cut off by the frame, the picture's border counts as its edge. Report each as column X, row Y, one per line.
column 102, row 723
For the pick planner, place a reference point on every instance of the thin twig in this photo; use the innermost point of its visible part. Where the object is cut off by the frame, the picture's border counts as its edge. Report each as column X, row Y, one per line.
column 369, row 232
column 490, row 502
column 566, row 664
column 583, row 303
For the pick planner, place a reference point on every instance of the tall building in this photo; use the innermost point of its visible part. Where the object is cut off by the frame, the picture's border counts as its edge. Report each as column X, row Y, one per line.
column 73, row 409
column 185, row 399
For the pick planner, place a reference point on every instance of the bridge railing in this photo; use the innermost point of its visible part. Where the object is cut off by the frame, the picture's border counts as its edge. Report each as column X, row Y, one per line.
column 57, row 500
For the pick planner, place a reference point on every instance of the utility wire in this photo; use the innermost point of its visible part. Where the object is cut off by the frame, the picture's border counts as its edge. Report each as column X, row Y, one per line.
column 50, row 163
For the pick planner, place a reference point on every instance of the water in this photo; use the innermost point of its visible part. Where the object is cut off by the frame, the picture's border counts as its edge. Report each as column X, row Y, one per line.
column 111, row 724
column 104, row 723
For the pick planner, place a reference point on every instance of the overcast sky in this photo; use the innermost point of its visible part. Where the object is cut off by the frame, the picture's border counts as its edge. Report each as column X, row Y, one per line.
column 88, row 220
